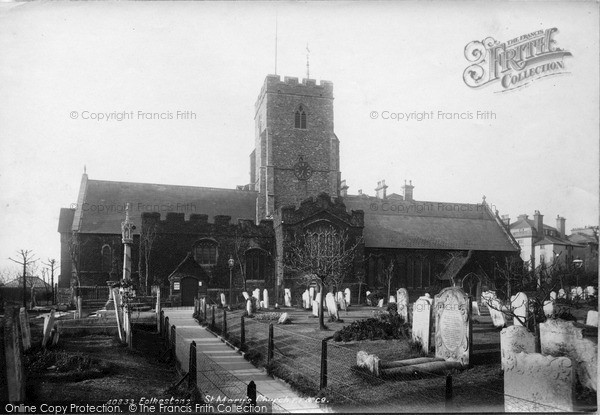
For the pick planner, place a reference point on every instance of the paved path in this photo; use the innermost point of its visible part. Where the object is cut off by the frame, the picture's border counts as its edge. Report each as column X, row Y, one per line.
column 227, row 371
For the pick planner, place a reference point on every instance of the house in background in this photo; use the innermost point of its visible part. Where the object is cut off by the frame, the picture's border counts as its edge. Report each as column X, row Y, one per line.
column 586, row 250
column 542, row 245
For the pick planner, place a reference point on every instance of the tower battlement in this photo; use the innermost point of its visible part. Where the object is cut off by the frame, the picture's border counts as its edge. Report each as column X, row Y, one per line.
column 291, row 85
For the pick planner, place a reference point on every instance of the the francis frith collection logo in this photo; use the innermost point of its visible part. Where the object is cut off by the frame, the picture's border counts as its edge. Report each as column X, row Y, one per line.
column 514, row 63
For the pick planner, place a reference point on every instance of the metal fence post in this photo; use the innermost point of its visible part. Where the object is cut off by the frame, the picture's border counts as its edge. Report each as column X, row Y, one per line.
column 242, row 332
column 224, row 323
column 323, row 383
column 192, row 367
column 270, row 344
column 448, row 391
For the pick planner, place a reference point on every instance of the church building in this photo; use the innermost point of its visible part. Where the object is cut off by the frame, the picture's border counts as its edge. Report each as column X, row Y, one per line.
column 199, row 240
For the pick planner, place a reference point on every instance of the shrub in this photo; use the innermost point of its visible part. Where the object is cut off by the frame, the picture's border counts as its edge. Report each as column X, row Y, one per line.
column 375, row 296
column 384, row 327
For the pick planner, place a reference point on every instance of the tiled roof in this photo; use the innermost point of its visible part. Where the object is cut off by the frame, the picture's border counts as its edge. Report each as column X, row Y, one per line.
column 553, row 240
column 582, row 239
column 36, row 282
column 430, row 225
column 102, row 206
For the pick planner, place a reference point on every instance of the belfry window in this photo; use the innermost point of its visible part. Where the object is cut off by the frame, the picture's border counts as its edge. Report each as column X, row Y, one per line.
column 300, row 118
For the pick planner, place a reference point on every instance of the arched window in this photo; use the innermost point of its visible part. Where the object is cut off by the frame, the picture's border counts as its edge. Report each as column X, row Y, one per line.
column 300, row 118
column 106, row 254
column 256, row 264
column 205, row 252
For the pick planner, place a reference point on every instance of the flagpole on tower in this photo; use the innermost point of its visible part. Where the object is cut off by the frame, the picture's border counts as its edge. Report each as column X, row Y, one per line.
column 307, row 62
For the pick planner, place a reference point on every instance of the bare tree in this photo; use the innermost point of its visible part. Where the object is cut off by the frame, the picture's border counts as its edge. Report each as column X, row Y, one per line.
column 239, row 247
column 26, row 261
column 8, row 274
column 324, row 254
column 147, row 238
column 75, row 245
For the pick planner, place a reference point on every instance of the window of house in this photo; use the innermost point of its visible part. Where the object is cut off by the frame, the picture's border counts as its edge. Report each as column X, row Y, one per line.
column 205, row 252
column 106, row 254
column 256, row 264
column 300, row 118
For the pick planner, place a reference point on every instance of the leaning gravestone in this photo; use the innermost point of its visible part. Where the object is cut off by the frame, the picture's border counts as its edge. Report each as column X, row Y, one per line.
column 562, row 338
column 402, row 307
column 380, row 303
column 515, row 339
column 537, row 383
column 287, row 297
column 26, row 329
column 592, row 318
column 519, row 303
column 48, row 326
column 283, row 319
column 331, row 306
column 347, row 295
column 421, row 324
column 453, row 326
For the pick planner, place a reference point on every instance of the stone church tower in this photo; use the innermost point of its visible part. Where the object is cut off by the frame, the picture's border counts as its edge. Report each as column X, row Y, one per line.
column 296, row 153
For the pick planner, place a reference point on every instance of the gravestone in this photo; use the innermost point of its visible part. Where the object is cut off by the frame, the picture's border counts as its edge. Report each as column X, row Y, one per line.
column 246, row 296
column 306, row 300
column 347, row 294
column 494, row 306
column 380, row 303
column 315, row 305
column 331, row 306
column 266, row 298
column 369, row 361
column 223, row 300
column 562, row 294
column 573, row 295
column 368, row 299
column 261, row 305
column 26, row 329
column 392, row 299
column 402, row 298
column 515, row 339
column 256, row 294
column 475, row 308
column 283, row 319
column 562, row 338
column 519, row 304
column 537, row 383
column 590, row 291
column 548, row 308
column 249, row 307
column 592, row 318
column 552, row 295
column 421, row 324
column 311, row 293
column 287, row 297
column 48, row 326
column 453, row 326
column 339, row 297
column 342, row 304
column 579, row 292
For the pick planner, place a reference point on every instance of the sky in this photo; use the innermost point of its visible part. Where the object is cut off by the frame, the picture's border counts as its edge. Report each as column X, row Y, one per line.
column 61, row 62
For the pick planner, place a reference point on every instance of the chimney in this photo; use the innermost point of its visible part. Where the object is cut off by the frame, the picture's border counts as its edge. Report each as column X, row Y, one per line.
column 360, row 192
column 380, row 190
column 408, row 191
column 560, row 225
column 522, row 216
column 343, row 188
column 538, row 219
column 506, row 220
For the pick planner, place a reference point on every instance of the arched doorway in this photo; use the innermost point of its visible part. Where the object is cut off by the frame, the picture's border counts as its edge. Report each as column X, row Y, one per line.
column 471, row 284
column 189, row 290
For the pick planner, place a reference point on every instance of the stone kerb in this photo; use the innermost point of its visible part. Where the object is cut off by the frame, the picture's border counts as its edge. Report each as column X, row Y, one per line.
column 453, row 331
